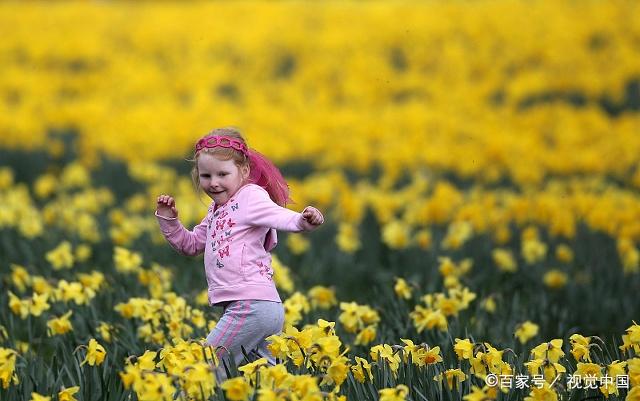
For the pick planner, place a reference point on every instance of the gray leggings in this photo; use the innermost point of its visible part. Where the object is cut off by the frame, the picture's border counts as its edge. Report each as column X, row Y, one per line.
column 245, row 324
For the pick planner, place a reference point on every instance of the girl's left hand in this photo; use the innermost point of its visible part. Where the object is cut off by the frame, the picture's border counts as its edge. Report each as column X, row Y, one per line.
column 312, row 216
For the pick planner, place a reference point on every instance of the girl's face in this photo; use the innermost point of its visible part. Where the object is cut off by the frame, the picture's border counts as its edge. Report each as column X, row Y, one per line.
column 220, row 179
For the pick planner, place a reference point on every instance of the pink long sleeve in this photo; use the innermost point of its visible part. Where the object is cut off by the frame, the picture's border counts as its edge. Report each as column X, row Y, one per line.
column 187, row 242
column 263, row 212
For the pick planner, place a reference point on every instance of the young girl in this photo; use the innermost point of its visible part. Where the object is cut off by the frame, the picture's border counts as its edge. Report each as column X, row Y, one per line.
column 236, row 236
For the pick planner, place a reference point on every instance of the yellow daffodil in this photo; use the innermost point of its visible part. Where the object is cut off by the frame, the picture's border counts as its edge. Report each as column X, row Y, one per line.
column 83, row 253
column 61, row 257
column 17, row 306
column 385, row 352
column 198, row 380
column 588, row 369
column 366, row 335
column 580, row 347
column 95, row 353
column 504, row 260
column 60, row 325
column 463, row 348
column 564, row 253
column 398, row 393
column 354, row 317
column 348, row 239
column 555, row 279
column 7, row 367
column 74, row 175
column 633, row 368
column 38, row 397
column 457, row 234
column 297, row 244
column 67, row 394
column 526, row 331
column 125, row 260
column 489, row 304
column 250, row 369
column 481, row 394
column 533, row 251
column 361, row 370
column 45, row 185
column 551, row 350
column 428, row 318
column 237, row 389
column 542, row 393
column 322, row 297
column 396, row 235
column 6, row 177
column 423, row 239
column 105, row 330
column 20, row 277
column 402, row 289
column 281, row 275
column 336, row 372
column 453, row 377
column 93, row 280
column 633, row 394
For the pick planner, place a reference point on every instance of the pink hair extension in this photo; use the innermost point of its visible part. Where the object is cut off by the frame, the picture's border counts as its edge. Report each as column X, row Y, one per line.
column 265, row 174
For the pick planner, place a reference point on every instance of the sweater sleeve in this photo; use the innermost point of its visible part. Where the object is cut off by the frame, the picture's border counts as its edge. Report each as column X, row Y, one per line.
column 263, row 212
column 186, row 242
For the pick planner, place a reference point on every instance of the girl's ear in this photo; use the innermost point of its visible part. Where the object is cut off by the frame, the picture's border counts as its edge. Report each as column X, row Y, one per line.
column 244, row 171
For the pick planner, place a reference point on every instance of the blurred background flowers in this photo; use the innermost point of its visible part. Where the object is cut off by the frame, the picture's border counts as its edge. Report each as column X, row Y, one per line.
column 477, row 162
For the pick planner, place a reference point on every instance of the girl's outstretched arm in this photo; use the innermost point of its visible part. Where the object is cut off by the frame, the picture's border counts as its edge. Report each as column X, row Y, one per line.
column 187, row 242
column 265, row 213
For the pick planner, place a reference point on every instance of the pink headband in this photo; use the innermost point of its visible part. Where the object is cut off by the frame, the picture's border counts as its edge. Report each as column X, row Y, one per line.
column 223, row 142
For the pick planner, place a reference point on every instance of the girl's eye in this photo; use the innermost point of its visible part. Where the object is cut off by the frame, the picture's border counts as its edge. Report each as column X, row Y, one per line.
column 221, row 174
column 204, row 175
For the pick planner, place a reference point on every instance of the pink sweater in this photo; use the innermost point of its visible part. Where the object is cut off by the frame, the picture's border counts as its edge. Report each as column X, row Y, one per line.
column 236, row 238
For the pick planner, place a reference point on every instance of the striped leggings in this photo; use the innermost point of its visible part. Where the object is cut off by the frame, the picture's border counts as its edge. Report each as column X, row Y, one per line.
column 245, row 325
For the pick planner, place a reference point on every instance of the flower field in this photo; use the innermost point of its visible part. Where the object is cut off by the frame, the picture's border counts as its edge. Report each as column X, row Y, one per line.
column 477, row 162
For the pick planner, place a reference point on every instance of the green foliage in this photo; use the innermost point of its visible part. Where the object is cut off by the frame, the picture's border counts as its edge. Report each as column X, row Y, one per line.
column 603, row 306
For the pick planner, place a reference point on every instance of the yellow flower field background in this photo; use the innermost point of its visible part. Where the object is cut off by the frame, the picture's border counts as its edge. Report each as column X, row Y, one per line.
column 477, row 162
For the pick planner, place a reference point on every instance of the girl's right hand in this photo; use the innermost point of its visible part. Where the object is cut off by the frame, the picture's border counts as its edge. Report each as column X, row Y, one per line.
column 166, row 206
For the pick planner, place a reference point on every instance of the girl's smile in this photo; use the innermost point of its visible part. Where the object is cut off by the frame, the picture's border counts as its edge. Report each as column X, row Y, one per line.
column 220, row 179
